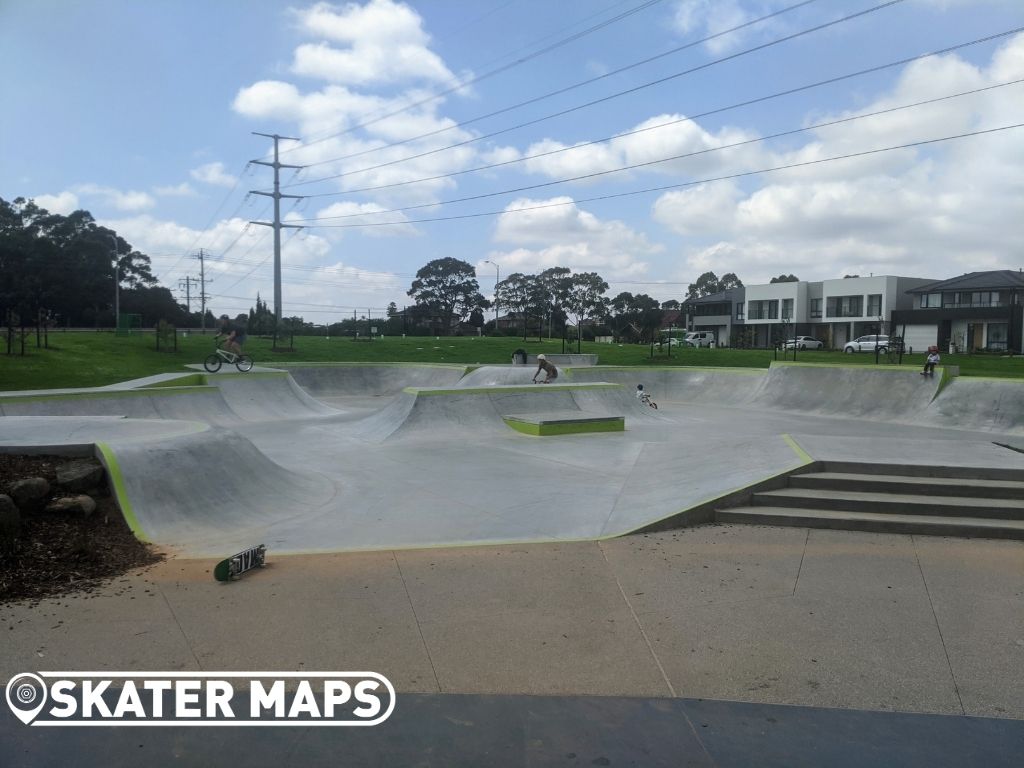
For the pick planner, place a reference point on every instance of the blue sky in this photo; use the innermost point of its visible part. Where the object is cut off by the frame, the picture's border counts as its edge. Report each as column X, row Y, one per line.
column 142, row 113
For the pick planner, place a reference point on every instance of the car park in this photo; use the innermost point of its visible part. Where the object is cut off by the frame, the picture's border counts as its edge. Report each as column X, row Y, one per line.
column 804, row 342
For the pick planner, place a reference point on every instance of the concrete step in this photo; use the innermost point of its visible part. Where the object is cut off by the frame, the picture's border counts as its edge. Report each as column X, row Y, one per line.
column 909, row 484
column 932, row 525
column 918, row 470
column 934, row 504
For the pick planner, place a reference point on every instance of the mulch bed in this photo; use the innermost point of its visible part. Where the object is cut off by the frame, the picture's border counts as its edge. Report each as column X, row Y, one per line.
column 61, row 554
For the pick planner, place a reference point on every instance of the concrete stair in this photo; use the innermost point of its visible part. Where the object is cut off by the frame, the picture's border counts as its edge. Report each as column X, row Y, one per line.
column 941, row 501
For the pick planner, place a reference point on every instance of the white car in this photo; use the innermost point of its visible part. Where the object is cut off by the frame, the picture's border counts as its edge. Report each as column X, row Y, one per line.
column 867, row 344
column 804, row 342
column 699, row 339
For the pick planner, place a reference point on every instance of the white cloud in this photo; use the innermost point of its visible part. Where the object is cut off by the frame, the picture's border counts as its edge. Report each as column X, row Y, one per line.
column 62, row 203
column 703, row 18
column 213, row 173
column 386, row 44
column 927, row 211
column 351, row 213
column 563, row 235
column 131, row 200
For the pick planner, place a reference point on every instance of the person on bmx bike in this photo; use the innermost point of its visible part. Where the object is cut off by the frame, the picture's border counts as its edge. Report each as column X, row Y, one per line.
column 234, row 332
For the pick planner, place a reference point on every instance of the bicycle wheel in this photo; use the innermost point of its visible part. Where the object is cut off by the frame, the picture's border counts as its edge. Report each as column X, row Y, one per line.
column 244, row 363
column 212, row 363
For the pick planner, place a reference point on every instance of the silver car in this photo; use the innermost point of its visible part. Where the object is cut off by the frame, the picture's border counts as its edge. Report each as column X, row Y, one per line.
column 804, row 342
column 867, row 344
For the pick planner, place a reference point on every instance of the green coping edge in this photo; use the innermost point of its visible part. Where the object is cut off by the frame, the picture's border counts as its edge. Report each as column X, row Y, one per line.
column 249, row 375
column 110, row 393
column 120, row 492
column 185, row 380
column 803, row 455
column 452, row 391
column 845, row 366
column 611, row 424
column 743, row 371
column 336, row 364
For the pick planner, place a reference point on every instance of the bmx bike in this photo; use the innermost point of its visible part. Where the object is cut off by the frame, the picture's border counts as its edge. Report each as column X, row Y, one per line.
column 220, row 356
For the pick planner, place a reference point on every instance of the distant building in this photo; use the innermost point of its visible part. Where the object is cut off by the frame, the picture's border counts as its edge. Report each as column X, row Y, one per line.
column 976, row 311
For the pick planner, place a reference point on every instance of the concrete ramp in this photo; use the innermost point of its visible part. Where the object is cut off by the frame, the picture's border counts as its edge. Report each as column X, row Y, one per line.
column 879, row 393
column 211, row 492
column 995, row 405
column 714, row 386
column 500, row 375
column 344, row 379
column 432, row 412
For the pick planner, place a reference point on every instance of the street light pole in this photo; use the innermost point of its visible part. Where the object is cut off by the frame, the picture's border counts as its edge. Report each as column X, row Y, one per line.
column 497, row 279
column 117, row 285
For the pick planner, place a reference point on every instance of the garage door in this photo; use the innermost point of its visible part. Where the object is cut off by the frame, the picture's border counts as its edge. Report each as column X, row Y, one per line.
column 919, row 337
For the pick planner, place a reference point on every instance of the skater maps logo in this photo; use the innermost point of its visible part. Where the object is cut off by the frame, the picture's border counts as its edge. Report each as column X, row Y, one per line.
column 200, row 698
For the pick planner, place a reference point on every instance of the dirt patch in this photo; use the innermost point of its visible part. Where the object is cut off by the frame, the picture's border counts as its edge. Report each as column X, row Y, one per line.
column 59, row 554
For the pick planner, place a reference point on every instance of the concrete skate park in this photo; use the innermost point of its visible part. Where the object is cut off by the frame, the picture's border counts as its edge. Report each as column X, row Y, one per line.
column 465, row 531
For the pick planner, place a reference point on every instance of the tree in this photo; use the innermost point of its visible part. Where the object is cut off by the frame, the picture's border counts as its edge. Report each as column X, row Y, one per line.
column 729, row 280
column 554, row 284
column 785, row 279
column 705, row 285
column 671, row 304
column 584, row 299
column 448, row 289
column 261, row 320
column 521, row 295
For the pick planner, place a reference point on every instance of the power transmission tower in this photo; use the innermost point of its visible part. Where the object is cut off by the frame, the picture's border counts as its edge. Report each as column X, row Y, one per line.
column 202, row 288
column 276, row 224
column 187, row 283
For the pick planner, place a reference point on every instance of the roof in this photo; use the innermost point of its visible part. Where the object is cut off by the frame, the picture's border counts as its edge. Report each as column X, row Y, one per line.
column 976, row 281
column 730, row 294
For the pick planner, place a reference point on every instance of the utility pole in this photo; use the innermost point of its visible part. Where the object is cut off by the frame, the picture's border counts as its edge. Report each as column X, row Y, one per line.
column 187, row 283
column 202, row 288
column 276, row 224
column 117, row 285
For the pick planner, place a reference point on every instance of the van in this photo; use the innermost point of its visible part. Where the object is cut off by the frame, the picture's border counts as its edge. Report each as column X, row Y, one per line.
column 699, row 339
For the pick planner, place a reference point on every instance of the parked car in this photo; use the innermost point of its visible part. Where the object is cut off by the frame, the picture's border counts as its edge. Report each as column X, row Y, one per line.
column 868, row 344
column 699, row 339
column 804, row 342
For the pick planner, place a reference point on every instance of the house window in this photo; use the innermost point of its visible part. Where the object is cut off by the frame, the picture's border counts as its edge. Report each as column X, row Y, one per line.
column 996, row 338
column 739, row 310
column 931, row 300
column 844, row 306
column 767, row 309
column 815, row 307
column 787, row 309
column 874, row 305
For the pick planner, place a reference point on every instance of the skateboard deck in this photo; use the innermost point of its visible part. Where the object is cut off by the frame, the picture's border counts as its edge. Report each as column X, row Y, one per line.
column 236, row 565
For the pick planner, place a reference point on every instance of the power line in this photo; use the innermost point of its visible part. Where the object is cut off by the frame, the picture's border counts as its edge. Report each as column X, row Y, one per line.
column 566, row 89
column 682, row 185
column 473, row 80
column 672, row 158
column 689, row 118
column 612, row 96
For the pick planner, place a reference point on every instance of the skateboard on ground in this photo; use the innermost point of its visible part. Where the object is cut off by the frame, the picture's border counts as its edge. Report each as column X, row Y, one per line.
column 236, row 565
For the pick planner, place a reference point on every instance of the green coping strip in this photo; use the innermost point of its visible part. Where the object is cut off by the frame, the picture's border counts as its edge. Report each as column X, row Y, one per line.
column 120, row 492
column 110, row 394
column 453, row 391
column 250, row 375
column 568, row 426
column 804, row 456
column 330, row 364
column 741, row 371
column 185, row 380
column 845, row 366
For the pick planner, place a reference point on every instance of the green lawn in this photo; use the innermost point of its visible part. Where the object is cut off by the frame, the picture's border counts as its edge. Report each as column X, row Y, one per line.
column 85, row 359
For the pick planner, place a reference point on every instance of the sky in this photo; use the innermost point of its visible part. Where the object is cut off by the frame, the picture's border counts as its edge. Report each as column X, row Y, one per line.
column 649, row 141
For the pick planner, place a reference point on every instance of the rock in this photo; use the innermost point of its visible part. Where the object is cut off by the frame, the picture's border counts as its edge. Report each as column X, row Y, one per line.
column 80, row 505
column 10, row 525
column 29, row 492
column 79, row 476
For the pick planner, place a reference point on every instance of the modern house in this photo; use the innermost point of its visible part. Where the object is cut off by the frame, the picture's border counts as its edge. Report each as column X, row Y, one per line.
column 835, row 311
column 976, row 311
column 721, row 313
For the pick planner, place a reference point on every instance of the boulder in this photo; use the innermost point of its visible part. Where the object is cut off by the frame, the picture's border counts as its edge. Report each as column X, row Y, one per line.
column 80, row 505
column 29, row 492
column 80, row 476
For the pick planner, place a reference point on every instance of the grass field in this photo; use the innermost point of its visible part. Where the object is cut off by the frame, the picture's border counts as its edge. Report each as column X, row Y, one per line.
column 89, row 359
